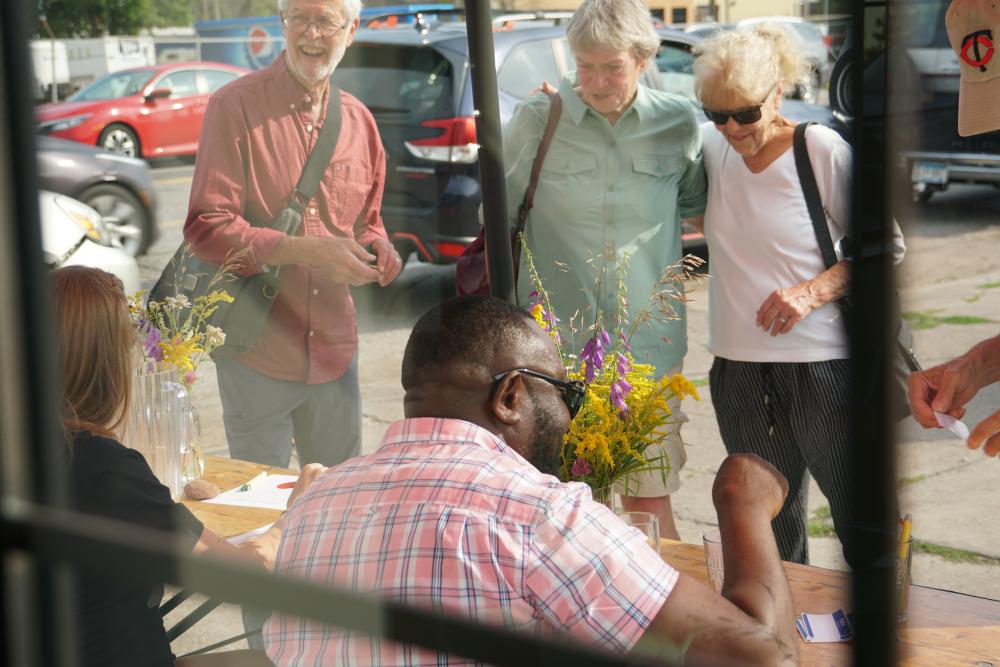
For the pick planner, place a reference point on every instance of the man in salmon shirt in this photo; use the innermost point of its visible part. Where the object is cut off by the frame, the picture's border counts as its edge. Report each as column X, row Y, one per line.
column 301, row 379
column 458, row 511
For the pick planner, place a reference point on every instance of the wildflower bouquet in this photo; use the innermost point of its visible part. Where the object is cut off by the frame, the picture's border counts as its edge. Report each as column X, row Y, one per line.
column 626, row 409
column 177, row 332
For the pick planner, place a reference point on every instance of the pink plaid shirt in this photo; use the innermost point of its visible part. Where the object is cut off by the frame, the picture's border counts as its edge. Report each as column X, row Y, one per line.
column 446, row 516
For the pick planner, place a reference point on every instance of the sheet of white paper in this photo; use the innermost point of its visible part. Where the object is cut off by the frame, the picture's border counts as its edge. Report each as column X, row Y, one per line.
column 249, row 535
column 956, row 426
column 263, row 492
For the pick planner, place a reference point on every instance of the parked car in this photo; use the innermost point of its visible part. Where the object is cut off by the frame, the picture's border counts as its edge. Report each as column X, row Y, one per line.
column 73, row 233
column 706, row 28
column 418, row 86
column 814, row 44
column 917, row 118
column 120, row 188
column 143, row 112
column 676, row 67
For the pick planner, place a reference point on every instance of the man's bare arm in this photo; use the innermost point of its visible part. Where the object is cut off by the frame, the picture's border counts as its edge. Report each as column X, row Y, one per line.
column 752, row 621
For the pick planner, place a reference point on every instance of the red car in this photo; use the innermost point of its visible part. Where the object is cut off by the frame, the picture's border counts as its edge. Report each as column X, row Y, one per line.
column 144, row 112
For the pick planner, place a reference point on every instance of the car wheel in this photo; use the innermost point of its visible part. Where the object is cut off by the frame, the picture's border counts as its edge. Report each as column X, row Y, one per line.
column 808, row 90
column 125, row 218
column 843, row 78
column 119, row 138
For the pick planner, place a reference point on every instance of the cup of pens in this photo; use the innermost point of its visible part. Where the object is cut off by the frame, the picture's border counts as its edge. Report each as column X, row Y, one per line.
column 904, row 556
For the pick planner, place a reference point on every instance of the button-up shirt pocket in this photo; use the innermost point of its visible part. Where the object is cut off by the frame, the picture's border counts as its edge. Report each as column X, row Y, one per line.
column 652, row 189
column 569, row 182
column 352, row 183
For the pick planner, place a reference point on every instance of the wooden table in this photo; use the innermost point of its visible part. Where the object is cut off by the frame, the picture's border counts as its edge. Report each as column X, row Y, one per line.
column 943, row 628
column 229, row 520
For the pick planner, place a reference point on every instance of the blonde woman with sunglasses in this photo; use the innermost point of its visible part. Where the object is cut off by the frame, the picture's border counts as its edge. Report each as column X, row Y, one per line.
column 779, row 381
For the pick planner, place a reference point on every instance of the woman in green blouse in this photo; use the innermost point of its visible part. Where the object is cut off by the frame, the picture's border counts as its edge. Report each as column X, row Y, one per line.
column 623, row 170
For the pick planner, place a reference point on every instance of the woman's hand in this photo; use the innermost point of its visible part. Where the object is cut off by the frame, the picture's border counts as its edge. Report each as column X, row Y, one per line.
column 786, row 307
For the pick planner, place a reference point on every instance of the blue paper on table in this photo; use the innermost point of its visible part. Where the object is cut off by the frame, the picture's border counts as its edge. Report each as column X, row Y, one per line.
column 835, row 627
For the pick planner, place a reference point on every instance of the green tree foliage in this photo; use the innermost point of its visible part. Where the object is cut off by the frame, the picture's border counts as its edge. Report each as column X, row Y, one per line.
column 92, row 18
column 168, row 13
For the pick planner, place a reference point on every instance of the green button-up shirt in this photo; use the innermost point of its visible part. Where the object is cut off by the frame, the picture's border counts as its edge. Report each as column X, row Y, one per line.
column 606, row 191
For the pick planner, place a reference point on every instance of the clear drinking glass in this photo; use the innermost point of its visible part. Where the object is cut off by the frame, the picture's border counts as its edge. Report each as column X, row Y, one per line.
column 647, row 523
column 903, row 561
column 713, row 559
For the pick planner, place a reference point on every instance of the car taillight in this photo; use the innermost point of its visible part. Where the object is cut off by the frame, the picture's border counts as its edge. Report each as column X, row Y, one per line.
column 448, row 249
column 456, row 143
column 828, row 41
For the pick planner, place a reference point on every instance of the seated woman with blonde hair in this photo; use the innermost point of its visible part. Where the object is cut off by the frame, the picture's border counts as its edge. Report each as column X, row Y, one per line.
column 120, row 622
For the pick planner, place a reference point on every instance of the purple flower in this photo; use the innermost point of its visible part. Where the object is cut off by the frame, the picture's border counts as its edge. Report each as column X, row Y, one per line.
column 151, row 338
column 580, row 468
column 593, row 354
column 620, row 388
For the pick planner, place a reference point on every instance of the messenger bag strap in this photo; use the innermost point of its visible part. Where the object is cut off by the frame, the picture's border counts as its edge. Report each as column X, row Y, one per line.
column 555, row 110
column 321, row 154
column 807, row 179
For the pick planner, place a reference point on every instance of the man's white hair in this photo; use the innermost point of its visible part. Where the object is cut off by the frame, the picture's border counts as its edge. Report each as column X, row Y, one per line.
column 351, row 8
column 613, row 25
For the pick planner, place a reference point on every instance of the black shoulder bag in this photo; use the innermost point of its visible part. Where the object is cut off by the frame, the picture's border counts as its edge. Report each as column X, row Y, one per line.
column 243, row 320
column 905, row 360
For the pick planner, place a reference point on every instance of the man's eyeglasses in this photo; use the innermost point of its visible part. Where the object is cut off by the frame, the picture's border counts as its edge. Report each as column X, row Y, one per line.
column 324, row 27
column 744, row 116
column 572, row 392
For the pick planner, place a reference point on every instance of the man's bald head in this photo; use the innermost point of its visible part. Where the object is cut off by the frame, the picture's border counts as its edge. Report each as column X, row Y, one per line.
column 467, row 339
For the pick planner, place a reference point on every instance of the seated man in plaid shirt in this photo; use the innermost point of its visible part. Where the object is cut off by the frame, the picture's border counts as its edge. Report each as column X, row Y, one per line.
column 459, row 510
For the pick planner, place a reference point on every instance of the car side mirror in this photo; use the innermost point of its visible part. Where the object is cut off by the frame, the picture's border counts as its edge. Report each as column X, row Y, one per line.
column 158, row 94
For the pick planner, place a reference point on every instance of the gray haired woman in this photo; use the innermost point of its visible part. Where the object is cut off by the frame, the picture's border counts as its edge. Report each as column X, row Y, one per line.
column 624, row 168
column 779, row 381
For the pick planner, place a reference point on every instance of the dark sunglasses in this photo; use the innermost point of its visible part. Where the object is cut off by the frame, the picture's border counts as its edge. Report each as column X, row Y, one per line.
column 572, row 392
column 744, row 116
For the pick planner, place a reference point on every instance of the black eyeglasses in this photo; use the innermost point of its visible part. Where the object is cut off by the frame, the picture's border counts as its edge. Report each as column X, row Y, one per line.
column 572, row 392
column 744, row 116
column 300, row 24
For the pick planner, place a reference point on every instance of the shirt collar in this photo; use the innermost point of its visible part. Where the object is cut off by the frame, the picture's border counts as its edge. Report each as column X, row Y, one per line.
column 440, row 430
column 576, row 109
column 288, row 87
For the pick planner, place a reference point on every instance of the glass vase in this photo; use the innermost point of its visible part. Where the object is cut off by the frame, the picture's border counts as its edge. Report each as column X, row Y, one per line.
column 604, row 495
column 157, row 423
column 192, row 463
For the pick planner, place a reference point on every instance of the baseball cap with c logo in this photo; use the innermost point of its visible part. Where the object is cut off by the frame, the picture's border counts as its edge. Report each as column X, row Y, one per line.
column 974, row 33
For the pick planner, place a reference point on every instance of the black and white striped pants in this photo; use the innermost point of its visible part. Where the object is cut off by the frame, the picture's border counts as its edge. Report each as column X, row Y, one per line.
column 796, row 417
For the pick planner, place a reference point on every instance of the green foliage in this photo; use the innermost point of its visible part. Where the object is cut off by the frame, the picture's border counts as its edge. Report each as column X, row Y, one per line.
column 907, row 481
column 169, row 13
column 954, row 555
column 929, row 319
column 93, row 18
column 821, row 524
column 821, row 529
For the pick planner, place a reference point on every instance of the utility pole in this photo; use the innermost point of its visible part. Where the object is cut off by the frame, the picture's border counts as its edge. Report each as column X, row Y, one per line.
column 53, row 93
